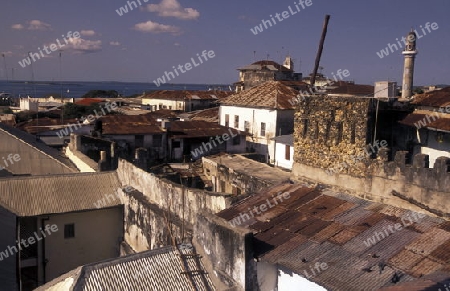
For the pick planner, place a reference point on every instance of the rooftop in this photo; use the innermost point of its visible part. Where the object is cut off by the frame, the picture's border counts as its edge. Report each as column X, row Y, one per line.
column 265, row 65
column 437, row 98
column 210, row 114
column 285, row 139
column 315, row 225
column 40, row 158
column 241, row 164
column 272, row 94
column 438, row 121
column 350, row 88
column 130, row 124
column 166, row 268
column 199, row 128
column 186, row 95
column 57, row 193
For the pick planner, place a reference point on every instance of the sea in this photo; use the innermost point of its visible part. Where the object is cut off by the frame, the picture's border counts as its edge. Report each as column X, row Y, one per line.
column 71, row 89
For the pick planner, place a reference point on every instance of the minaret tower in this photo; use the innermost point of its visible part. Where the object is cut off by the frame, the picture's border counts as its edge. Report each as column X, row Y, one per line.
column 410, row 53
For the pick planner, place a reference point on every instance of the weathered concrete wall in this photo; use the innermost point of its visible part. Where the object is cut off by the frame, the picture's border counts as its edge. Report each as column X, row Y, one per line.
column 228, row 180
column 147, row 226
column 182, row 202
column 414, row 185
column 329, row 131
column 81, row 161
column 228, row 250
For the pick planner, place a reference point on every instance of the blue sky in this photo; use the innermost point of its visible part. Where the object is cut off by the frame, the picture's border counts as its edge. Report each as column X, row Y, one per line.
column 147, row 41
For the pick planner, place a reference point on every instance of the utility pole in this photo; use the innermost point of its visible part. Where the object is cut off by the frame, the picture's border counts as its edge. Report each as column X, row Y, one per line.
column 319, row 52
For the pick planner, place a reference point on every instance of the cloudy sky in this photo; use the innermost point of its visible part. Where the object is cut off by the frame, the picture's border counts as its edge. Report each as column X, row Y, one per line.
column 143, row 43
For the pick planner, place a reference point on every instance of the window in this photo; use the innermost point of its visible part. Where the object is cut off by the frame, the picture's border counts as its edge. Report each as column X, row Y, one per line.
column 227, row 120
column 263, row 129
column 236, row 140
column 69, row 230
column 287, row 152
column 157, row 140
column 176, row 144
column 236, row 121
column 340, row 129
column 305, row 128
column 353, row 133
column 247, row 126
column 139, row 141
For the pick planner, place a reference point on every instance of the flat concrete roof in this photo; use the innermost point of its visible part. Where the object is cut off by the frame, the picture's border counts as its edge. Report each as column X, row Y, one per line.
column 250, row 167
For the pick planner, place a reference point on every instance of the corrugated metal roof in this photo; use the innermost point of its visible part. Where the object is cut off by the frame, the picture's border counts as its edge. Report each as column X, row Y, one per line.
column 272, row 94
column 335, row 230
column 199, row 128
column 130, row 124
column 58, row 193
column 160, row 269
column 36, row 158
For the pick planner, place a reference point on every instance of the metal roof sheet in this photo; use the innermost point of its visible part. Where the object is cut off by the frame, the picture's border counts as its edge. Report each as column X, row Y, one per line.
column 58, row 193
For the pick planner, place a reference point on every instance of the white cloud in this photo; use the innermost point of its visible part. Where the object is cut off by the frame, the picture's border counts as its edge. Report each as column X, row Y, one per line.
column 80, row 45
column 17, row 26
column 172, row 8
column 87, row 32
column 38, row 25
column 154, row 27
column 177, row 44
column 114, row 43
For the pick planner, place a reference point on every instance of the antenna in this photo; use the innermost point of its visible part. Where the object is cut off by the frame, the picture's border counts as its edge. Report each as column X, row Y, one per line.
column 6, row 70
column 61, row 88
column 254, row 56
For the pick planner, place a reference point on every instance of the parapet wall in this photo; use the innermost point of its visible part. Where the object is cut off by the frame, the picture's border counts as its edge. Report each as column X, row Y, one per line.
column 184, row 203
column 408, row 185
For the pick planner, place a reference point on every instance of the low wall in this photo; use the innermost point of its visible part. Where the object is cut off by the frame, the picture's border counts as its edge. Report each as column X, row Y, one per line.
column 182, row 202
column 395, row 182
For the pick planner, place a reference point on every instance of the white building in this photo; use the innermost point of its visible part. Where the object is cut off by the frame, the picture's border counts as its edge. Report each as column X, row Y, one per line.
column 183, row 100
column 264, row 112
column 284, row 151
column 430, row 124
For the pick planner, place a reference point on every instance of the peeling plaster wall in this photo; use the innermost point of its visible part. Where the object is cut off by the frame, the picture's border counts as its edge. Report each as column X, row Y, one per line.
column 162, row 200
column 229, row 250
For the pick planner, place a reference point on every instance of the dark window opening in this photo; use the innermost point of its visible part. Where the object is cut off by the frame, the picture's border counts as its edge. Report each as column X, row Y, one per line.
column 287, row 152
column 69, row 230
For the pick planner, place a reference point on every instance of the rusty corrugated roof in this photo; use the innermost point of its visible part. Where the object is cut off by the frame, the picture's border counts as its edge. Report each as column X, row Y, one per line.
column 437, row 98
column 312, row 227
column 199, row 128
column 130, row 124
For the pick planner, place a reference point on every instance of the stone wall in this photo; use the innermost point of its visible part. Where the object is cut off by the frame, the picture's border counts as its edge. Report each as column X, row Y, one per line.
column 412, row 186
column 332, row 130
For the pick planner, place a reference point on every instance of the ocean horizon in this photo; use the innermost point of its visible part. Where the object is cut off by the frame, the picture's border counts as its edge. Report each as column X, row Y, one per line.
column 77, row 89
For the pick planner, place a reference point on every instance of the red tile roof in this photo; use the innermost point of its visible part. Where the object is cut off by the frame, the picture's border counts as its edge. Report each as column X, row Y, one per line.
column 187, row 95
column 88, row 101
column 272, row 94
column 437, row 98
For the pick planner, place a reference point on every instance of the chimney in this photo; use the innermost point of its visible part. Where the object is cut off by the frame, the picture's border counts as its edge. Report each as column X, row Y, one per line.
column 288, row 63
